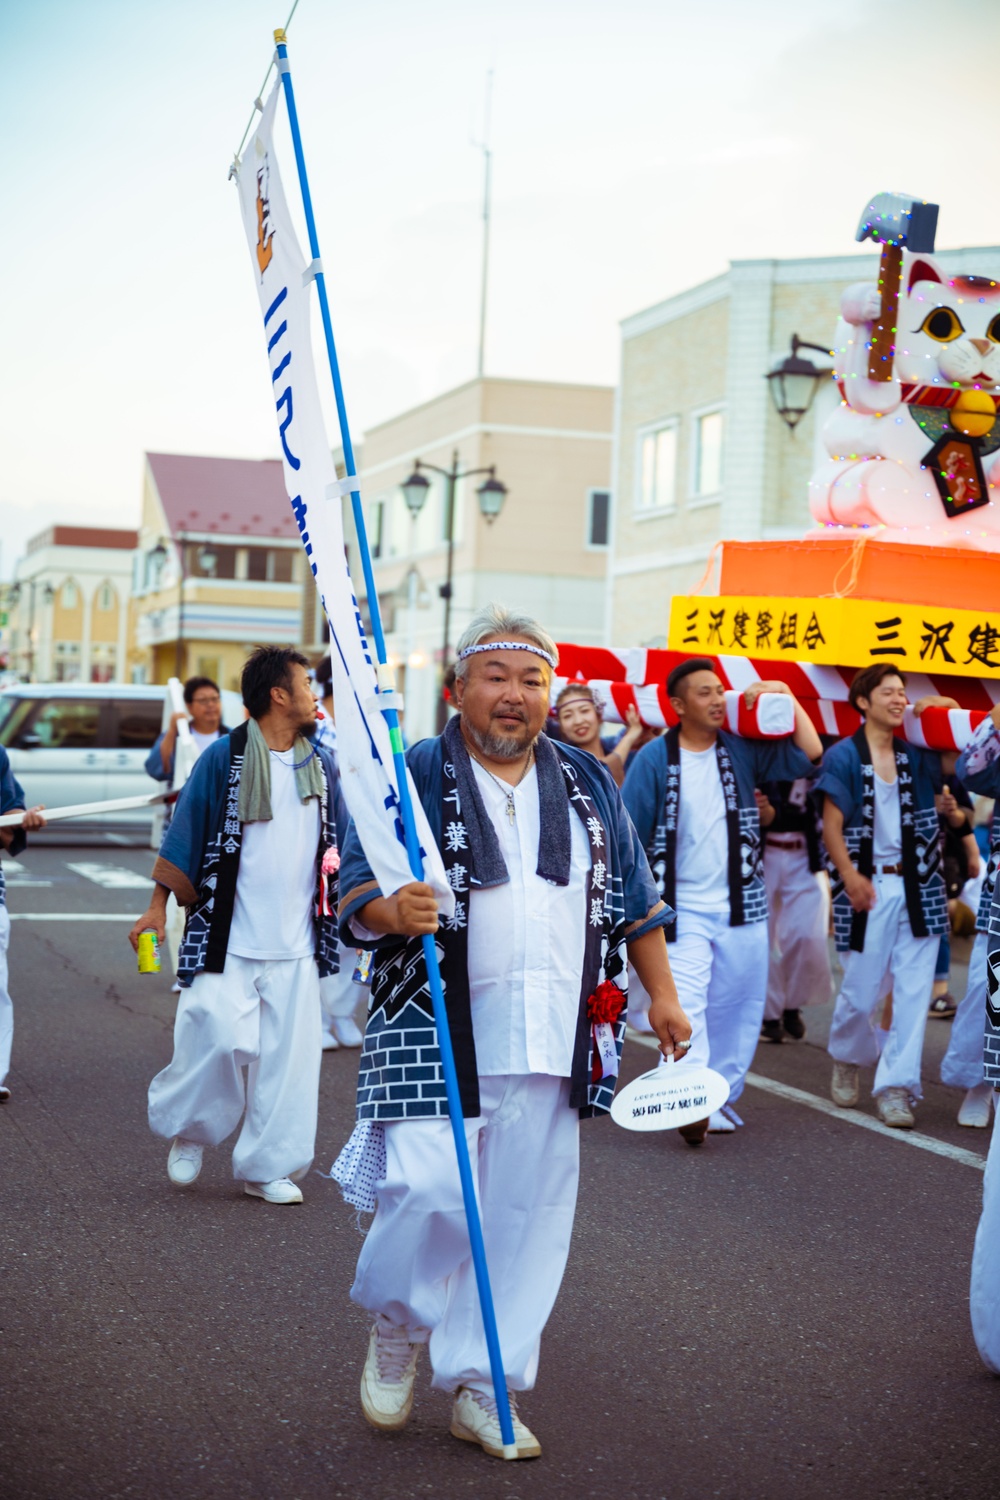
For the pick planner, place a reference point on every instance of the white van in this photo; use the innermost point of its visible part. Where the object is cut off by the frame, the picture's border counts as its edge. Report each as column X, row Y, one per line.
column 72, row 742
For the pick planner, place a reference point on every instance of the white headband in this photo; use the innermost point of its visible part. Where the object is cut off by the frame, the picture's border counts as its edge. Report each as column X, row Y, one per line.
column 508, row 646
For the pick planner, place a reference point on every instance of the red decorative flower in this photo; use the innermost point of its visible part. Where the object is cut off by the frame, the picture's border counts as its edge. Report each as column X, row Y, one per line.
column 605, row 1004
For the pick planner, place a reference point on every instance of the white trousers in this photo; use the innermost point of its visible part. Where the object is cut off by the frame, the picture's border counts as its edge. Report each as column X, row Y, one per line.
column 962, row 1064
column 798, row 922
column 262, row 1015
column 721, row 977
column 6, row 1004
column 339, row 995
column 984, row 1289
column 892, row 959
column 415, row 1267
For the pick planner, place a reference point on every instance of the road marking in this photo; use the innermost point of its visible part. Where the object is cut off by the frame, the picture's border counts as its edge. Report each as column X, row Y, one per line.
column 16, row 874
column 847, row 1116
column 112, row 877
column 72, row 916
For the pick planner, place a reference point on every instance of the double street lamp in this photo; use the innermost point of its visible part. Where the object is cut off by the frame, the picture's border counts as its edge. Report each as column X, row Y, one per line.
column 207, row 560
column 48, row 593
column 491, row 495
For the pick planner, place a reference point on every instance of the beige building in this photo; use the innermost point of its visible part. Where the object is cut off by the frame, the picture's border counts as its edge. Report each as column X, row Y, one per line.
column 701, row 453
column 67, row 609
column 219, row 568
column 550, row 445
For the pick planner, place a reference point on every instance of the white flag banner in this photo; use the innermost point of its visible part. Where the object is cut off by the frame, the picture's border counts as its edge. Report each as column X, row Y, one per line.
column 363, row 747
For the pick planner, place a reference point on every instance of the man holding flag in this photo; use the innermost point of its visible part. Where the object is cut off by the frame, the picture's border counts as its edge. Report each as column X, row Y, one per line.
column 549, row 1056
column 553, row 898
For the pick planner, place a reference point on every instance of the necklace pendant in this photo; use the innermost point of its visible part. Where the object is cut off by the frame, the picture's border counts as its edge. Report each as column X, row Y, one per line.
column 510, row 809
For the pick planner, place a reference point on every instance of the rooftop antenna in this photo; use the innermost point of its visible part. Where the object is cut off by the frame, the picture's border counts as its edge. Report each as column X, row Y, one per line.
column 484, row 147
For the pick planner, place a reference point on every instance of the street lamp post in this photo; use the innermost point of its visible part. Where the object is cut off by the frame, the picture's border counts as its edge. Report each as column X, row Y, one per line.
column 48, row 594
column 793, row 382
column 491, row 494
column 208, row 559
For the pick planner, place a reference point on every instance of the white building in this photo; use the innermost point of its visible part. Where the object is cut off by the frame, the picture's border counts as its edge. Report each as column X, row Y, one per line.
column 68, row 608
column 700, row 451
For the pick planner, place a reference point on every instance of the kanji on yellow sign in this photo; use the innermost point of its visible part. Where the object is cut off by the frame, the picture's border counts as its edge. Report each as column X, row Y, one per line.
column 839, row 632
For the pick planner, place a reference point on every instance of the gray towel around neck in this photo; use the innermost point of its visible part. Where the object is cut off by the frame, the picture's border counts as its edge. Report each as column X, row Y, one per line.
column 487, row 866
column 254, row 803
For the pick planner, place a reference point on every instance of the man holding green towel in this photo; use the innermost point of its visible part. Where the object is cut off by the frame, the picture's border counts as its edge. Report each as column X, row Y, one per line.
column 252, row 854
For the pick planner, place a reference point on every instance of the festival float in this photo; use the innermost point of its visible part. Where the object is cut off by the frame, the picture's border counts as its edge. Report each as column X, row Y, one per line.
column 903, row 565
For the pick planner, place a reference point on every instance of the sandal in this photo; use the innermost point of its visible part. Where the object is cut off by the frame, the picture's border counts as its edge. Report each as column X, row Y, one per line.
column 943, row 1007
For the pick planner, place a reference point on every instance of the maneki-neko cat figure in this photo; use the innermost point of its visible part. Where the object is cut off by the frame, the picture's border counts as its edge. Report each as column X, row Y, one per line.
column 915, row 445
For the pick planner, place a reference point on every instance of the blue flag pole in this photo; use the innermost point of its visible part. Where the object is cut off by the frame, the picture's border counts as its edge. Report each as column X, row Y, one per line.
column 406, row 806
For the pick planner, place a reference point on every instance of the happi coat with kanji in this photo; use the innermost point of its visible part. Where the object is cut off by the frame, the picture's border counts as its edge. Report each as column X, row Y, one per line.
column 400, row 1074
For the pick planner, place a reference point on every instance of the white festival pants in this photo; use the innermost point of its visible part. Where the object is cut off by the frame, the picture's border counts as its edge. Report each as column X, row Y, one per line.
column 415, row 1267
column 892, row 959
column 721, row 977
column 984, row 1289
column 798, row 922
column 339, row 995
column 962, row 1064
column 263, row 1015
column 6, row 1004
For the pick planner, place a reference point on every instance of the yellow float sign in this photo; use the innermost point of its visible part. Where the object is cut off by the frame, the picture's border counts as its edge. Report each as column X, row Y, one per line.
column 839, row 633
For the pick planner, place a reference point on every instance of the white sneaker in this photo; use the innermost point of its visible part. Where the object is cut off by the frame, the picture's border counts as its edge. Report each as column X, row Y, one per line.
column 474, row 1419
column 844, row 1084
column 346, row 1032
column 281, row 1190
column 388, row 1376
column 184, row 1162
column 720, row 1124
column 976, row 1106
column 330, row 1043
column 893, row 1107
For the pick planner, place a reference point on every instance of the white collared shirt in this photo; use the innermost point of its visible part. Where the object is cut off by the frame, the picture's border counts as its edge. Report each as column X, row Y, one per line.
column 526, row 944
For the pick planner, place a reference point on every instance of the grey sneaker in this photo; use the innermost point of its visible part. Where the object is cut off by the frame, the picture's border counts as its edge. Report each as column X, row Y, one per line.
column 844, row 1084
column 388, row 1376
column 893, row 1107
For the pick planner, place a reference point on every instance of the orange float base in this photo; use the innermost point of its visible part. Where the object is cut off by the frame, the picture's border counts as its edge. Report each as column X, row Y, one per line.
column 949, row 576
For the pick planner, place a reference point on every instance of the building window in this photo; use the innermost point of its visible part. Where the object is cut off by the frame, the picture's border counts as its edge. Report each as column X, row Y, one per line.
column 377, row 527
column 103, row 660
column 269, row 565
column 105, row 597
column 68, row 595
column 66, row 661
column 598, row 518
column 209, row 560
column 708, row 453
column 657, row 467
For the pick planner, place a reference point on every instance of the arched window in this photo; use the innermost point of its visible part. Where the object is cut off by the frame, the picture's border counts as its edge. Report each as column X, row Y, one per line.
column 106, row 596
column 67, row 594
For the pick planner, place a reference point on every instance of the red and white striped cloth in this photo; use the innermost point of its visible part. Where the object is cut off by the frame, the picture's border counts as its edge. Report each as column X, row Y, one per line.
column 637, row 676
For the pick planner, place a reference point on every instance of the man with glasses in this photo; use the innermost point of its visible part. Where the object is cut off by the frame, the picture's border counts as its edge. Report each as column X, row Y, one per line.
column 203, row 710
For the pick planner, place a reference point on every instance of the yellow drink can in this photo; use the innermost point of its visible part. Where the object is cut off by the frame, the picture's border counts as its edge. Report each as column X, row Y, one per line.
column 149, row 953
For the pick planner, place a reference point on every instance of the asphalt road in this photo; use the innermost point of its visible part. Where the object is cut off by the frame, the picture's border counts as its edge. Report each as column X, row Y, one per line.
column 780, row 1313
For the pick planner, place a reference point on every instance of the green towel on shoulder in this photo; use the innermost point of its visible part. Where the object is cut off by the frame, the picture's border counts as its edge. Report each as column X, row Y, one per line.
column 254, row 804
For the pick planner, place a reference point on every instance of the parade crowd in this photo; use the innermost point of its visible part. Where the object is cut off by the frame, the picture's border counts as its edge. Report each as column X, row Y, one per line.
column 685, row 883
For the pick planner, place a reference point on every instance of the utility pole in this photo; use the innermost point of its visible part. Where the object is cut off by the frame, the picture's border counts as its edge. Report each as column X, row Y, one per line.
column 484, row 146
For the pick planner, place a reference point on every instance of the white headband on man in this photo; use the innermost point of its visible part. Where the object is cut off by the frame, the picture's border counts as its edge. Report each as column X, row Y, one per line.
column 508, row 646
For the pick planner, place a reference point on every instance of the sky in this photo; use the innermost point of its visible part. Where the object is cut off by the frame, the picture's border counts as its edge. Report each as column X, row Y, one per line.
column 638, row 147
